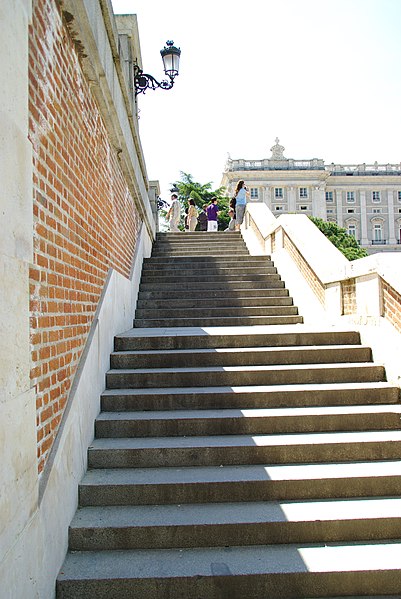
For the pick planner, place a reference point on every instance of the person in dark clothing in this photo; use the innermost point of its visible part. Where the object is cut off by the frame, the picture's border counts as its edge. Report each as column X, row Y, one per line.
column 202, row 219
column 212, row 214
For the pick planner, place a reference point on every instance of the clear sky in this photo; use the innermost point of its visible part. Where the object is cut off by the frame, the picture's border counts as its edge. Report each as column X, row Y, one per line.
column 324, row 76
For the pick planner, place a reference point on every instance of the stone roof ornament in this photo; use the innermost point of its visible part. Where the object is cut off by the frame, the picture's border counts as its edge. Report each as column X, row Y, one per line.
column 277, row 151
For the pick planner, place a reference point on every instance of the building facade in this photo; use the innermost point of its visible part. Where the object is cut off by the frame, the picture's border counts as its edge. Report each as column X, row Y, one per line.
column 364, row 199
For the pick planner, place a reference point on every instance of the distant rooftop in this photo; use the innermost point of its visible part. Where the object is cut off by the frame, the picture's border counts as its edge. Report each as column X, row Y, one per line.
column 278, row 162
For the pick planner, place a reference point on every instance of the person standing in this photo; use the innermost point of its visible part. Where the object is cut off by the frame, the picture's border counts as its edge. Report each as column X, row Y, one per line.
column 192, row 216
column 202, row 218
column 174, row 213
column 240, row 195
column 212, row 213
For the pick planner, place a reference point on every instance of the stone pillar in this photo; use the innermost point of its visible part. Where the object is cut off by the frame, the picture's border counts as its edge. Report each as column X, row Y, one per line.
column 267, row 196
column 339, row 204
column 319, row 202
column 292, row 199
column 391, row 230
column 364, row 220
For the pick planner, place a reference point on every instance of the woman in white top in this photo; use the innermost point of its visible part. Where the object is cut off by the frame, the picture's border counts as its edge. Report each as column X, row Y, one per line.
column 240, row 194
column 192, row 215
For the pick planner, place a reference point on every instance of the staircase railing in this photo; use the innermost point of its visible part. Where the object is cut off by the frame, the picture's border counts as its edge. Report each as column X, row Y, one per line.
column 365, row 292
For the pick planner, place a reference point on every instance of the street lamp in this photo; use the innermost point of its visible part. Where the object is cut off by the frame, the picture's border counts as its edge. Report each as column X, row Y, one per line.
column 171, row 61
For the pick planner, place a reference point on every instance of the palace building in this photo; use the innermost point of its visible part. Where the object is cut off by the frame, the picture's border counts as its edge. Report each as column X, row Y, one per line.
column 365, row 199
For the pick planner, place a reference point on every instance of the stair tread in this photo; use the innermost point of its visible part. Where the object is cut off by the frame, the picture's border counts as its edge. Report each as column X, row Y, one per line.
column 229, row 414
column 234, row 474
column 234, row 350
column 250, row 388
column 233, row 561
column 246, row 440
column 240, row 512
column 247, row 368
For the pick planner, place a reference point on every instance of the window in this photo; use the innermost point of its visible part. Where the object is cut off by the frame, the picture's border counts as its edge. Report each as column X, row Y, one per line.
column 376, row 196
column 329, row 196
column 376, row 210
column 303, row 192
column 279, row 208
column 352, row 230
column 278, row 192
column 254, row 193
column 350, row 197
column 399, row 196
column 377, row 232
column 350, row 211
column 304, row 207
column 330, row 211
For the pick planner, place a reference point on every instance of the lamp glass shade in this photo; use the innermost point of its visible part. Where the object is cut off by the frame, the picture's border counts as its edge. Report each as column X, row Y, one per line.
column 171, row 59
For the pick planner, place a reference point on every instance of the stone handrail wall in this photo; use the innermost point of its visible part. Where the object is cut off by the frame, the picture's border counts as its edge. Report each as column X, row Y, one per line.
column 364, row 290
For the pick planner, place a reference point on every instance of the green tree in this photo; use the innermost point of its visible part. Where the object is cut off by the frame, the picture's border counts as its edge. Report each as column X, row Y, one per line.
column 203, row 194
column 347, row 244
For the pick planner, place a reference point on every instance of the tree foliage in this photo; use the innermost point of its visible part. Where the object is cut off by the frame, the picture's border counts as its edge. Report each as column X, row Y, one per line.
column 202, row 194
column 347, row 244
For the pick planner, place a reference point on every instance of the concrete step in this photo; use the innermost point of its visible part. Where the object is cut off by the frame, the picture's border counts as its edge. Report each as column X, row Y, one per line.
column 134, row 339
column 206, row 278
column 247, row 421
column 249, row 397
column 206, row 304
column 206, row 261
column 197, row 252
column 270, row 282
column 151, row 264
column 303, row 354
column 243, row 375
column 261, row 482
column 206, row 273
column 204, row 248
column 194, row 234
column 234, row 524
column 218, row 294
column 215, row 450
column 200, row 242
column 254, row 572
column 223, row 321
column 213, row 314
column 199, row 236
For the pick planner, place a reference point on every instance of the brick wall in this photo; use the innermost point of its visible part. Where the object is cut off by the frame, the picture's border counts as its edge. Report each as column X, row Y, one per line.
column 348, row 296
column 391, row 304
column 84, row 217
column 305, row 269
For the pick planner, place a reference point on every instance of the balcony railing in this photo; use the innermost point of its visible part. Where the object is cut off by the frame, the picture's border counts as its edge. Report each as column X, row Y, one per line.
column 379, row 241
column 364, row 169
column 289, row 164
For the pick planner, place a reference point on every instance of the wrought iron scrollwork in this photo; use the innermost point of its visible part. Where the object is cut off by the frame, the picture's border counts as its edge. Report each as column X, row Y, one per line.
column 142, row 81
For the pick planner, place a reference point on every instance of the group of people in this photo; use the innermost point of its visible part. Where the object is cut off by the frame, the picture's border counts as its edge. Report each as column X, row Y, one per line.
column 208, row 217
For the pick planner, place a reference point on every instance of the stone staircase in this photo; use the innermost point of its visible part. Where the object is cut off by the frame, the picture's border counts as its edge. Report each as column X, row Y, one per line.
column 236, row 462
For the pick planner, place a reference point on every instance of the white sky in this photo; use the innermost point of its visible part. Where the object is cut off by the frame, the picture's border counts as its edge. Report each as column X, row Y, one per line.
column 322, row 75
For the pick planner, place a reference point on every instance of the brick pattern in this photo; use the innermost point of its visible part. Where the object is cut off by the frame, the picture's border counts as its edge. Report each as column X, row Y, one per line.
column 391, row 304
column 348, row 297
column 309, row 275
column 85, row 220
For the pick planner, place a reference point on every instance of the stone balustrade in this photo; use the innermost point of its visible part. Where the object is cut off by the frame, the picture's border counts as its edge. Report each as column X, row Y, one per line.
column 328, row 288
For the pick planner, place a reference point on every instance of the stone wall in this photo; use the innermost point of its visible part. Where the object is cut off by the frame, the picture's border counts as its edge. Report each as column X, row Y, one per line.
column 391, row 304
column 85, row 219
